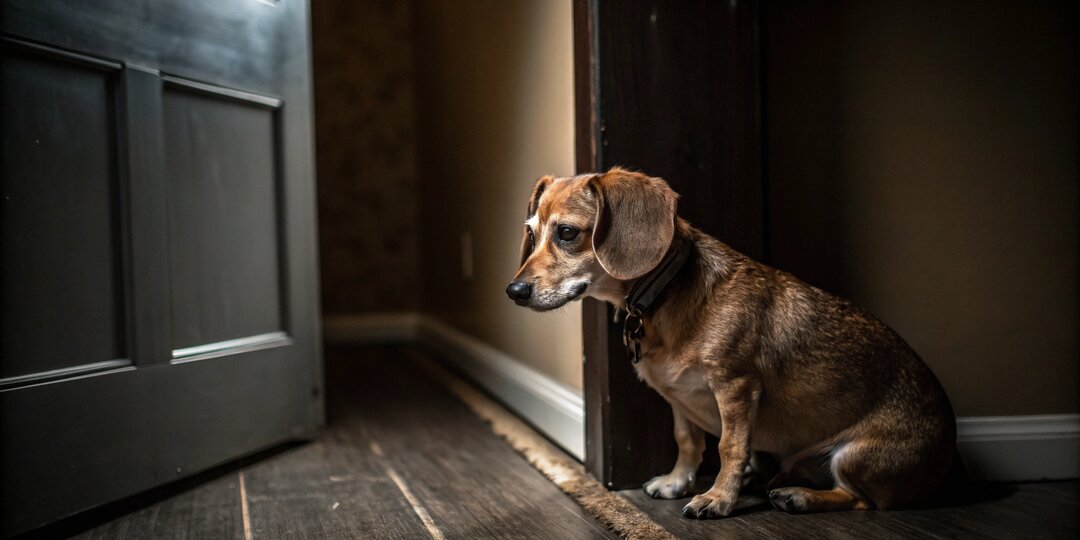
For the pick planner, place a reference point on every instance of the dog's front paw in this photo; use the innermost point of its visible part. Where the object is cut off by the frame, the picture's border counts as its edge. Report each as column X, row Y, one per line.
column 669, row 486
column 708, row 505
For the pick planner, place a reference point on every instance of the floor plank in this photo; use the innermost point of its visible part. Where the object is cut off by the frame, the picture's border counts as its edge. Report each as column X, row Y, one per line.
column 1035, row 510
column 327, row 490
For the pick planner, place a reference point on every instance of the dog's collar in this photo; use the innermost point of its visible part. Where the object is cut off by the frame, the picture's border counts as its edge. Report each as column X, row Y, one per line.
column 644, row 294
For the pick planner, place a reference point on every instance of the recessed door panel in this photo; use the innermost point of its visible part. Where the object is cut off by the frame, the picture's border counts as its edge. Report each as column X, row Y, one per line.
column 59, row 215
column 223, row 220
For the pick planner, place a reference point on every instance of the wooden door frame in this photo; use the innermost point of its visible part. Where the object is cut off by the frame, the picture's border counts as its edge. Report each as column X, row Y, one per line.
column 623, row 51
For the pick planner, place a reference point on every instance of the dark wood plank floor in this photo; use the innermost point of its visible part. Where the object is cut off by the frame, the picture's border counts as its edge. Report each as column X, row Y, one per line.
column 1036, row 510
column 394, row 435
column 401, row 451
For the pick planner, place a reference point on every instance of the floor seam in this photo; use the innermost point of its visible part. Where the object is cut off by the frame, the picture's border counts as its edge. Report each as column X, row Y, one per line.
column 245, row 515
column 418, row 508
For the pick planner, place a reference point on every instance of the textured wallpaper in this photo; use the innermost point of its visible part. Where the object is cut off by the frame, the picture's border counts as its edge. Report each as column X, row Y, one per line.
column 365, row 117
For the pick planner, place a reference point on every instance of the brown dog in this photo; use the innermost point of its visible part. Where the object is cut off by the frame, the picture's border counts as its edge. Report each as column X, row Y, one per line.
column 771, row 365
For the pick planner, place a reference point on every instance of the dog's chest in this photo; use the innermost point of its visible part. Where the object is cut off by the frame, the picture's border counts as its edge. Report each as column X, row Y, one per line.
column 681, row 381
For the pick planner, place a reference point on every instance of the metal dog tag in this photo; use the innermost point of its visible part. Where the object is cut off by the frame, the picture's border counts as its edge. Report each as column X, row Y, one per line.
column 633, row 331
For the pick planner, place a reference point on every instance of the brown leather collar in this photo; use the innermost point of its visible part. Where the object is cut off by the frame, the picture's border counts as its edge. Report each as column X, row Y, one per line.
column 644, row 294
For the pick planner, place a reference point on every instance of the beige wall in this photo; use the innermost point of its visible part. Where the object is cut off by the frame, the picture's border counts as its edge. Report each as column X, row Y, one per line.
column 922, row 160
column 495, row 111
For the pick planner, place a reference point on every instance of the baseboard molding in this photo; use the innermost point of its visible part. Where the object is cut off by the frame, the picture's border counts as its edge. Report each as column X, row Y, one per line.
column 1016, row 448
column 551, row 407
column 1003, row 448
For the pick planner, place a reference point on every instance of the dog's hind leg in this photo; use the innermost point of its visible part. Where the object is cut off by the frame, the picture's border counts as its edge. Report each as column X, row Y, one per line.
column 799, row 499
column 874, row 472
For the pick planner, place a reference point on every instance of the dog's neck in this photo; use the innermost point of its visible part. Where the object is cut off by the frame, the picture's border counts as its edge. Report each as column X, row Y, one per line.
column 708, row 261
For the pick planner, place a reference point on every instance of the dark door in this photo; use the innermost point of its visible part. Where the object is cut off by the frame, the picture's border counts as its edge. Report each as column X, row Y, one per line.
column 672, row 89
column 158, row 245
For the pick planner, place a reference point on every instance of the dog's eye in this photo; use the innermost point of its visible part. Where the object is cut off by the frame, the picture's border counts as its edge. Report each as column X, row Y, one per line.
column 568, row 233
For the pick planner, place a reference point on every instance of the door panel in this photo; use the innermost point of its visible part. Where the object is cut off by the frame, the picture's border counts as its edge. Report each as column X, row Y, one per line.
column 221, row 158
column 160, row 311
column 232, row 405
column 60, row 216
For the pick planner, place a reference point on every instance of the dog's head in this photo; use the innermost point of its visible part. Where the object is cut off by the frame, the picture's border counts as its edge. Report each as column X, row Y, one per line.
column 585, row 233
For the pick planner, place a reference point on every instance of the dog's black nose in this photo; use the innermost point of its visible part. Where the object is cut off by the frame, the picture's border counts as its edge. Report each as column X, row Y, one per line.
column 519, row 291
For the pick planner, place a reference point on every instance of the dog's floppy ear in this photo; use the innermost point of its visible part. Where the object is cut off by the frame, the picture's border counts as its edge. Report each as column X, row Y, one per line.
column 635, row 222
column 527, row 241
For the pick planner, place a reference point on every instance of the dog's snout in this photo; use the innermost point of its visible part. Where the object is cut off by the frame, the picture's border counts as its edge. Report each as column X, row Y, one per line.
column 519, row 291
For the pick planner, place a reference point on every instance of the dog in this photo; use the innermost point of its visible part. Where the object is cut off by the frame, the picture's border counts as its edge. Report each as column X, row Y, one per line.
column 781, row 371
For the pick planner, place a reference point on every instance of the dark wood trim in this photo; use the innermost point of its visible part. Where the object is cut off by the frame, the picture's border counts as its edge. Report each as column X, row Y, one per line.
column 222, row 92
column 586, row 88
column 595, row 314
column 232, row 346
column 62, row 54
column 281, row 201
column 671, row 89
column 41, row 377
column 144, row 214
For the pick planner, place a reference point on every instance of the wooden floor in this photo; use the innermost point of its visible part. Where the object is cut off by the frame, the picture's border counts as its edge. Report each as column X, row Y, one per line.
column 987, row 510
column 402, row 458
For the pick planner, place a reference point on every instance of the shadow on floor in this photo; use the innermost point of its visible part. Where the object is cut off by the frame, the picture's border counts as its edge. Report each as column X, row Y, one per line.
column 96, row 517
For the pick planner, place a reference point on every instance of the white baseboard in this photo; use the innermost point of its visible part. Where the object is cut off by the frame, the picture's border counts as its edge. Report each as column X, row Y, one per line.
column 1003, row 448
column 1014, row 448
column 551, row 407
